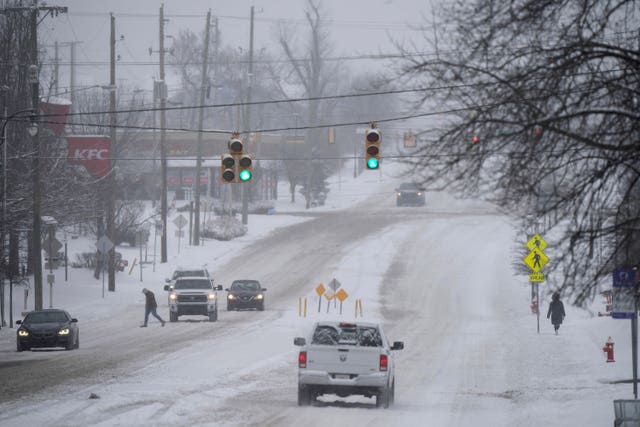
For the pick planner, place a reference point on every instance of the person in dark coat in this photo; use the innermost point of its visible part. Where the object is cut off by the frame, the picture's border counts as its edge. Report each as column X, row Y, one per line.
column 150, row 307
column 556, row 311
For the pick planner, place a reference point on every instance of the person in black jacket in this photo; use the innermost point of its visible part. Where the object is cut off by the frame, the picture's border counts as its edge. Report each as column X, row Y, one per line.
column 556, row 311
column 150, row 307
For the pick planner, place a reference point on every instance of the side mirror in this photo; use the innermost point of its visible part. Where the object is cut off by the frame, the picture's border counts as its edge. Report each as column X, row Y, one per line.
column 219, row 288
column 18, row 322
column 74, row 320
column 227, row 289
column 299, row 341
column 167, row 280
column 264, row 289
column 397, row 345
column 167, row 287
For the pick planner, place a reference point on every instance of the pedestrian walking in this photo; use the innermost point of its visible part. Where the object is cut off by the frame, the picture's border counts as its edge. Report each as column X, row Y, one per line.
column 556, row 311
column 150, row 307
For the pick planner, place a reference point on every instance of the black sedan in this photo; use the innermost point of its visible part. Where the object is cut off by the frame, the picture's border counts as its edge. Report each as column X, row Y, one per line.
column 48, row 328
column 245, row 294
column 410, row 194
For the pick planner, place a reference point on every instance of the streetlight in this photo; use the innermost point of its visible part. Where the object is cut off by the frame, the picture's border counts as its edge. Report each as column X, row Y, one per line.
column 33, row 130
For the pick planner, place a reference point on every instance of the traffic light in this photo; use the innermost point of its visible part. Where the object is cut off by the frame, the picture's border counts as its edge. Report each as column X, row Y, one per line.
column 236, row 146
column 245, row 169
column 228, row 168
column 372, row 142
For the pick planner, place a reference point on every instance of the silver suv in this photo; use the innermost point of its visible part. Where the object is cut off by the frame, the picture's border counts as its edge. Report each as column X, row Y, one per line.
column 193, row 296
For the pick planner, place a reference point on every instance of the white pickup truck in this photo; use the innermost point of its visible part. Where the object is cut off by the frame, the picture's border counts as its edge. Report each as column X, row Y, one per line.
column 346, row 359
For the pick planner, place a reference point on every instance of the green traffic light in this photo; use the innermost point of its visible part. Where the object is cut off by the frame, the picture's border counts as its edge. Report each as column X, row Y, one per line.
column 373, row 163
column 245, row 175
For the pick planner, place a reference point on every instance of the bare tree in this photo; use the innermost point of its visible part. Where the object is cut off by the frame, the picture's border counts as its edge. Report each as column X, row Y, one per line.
column 537, row 104
column 309, row 72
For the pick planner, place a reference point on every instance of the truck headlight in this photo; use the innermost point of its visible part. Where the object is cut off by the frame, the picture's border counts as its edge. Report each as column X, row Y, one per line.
column 212, row 296
column 231, row 296
column 173, row 297
column 23, row 332
column 63, row 331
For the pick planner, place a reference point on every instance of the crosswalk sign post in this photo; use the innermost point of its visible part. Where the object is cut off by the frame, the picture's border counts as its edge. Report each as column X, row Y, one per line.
column 536, row 260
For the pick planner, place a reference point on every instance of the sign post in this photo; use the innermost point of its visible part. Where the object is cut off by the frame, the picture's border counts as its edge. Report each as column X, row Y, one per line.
column 320, row 289
column 104, row 245
column 625, row 306
column 536, row 260
column 180, row 222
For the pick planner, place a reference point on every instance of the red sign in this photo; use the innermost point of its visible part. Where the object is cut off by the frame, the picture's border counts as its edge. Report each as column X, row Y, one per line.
column 92, row 152
column 187, row 180
column 173, row 180
column 55, row 116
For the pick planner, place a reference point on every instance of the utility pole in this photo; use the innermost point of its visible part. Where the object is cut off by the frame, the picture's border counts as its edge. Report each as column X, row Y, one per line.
column 111, row 203
column 203, row 89
column 163, row 143
column 36, row 245
column 56, row 69
column 247, row 120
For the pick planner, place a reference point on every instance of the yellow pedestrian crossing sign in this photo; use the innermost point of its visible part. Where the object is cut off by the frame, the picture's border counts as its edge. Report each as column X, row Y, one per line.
column 536, row 260
column 536, row 242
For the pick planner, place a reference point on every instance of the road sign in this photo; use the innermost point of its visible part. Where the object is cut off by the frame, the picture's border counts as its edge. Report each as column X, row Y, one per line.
column 334, row 284
column 342, row 295
column 329, row 296
column 54, row 245
column 623, row 306
column 537, row 242
column 320, row 289
column 536, row 278
column 624, row 278
column 104, row 245
column 180, row 221
column 536, row 260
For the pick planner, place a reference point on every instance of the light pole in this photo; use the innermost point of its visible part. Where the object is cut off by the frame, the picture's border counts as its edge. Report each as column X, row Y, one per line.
column 33, row 130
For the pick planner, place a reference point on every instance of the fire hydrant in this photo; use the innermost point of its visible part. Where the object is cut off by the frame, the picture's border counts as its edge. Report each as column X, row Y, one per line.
column 608, row 349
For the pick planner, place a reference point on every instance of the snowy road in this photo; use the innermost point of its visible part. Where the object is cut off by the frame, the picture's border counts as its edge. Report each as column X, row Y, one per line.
column 438, row 277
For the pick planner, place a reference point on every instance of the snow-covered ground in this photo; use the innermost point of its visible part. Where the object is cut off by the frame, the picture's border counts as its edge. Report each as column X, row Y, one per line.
column 473, row 356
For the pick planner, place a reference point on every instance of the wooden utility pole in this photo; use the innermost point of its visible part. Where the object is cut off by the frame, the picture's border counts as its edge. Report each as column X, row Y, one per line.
column 163, row 143
column 111, row 203
column 247, row 121
column 203, row 91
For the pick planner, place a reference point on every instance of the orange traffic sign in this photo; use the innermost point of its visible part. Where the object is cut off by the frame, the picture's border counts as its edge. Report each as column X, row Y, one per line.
column 320, row 289
column 342, row 295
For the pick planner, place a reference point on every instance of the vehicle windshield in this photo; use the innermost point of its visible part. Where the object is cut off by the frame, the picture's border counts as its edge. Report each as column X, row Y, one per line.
column 46, row 317
column 352, row 335
column 408, row 186
column 188, row 273
column 246, row 286
column 192, row 284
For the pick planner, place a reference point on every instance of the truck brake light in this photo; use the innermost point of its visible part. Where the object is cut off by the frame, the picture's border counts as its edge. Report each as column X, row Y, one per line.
column 384, row 362
column 302, row 359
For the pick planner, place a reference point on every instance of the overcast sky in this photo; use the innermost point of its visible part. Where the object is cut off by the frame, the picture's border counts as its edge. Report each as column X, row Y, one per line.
column 357, row 27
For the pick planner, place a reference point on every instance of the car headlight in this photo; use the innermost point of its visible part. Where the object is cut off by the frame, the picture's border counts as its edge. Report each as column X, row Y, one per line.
column 173, row 297
column 231, row 296
column 260, row 296
column 23, row 333
column 212, row 296
column 419, row 194
column 399, row 194
column 64, row 331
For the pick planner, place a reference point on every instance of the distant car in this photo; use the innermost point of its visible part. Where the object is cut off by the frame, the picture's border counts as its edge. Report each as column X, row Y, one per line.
column 245, row 294
column 187, row 272
column 48, row 328
column 410, row 194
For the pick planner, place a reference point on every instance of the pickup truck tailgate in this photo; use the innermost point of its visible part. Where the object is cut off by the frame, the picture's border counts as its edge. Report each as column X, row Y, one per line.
column 343, row 359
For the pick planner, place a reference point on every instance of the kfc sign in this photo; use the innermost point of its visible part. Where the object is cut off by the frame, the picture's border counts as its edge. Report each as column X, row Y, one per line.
column 93, row 152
